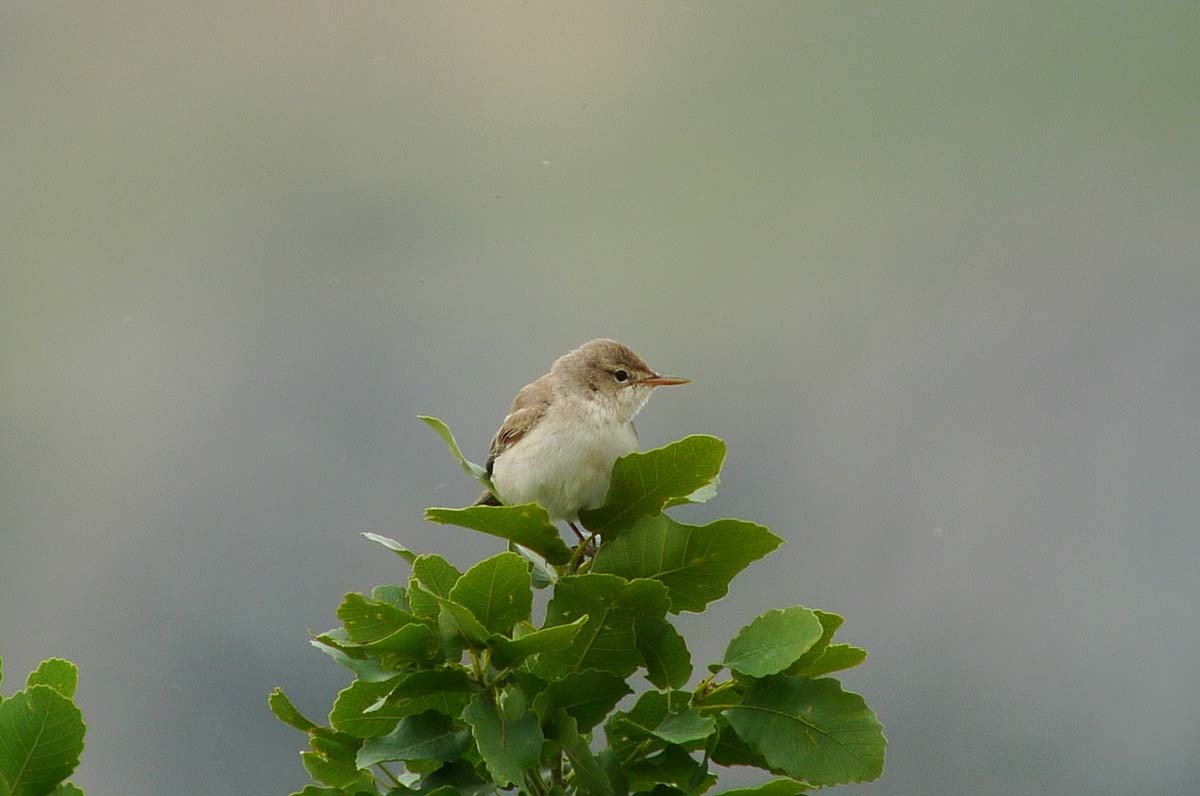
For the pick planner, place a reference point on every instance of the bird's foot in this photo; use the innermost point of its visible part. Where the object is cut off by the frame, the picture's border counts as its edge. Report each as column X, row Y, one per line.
column 589, row 541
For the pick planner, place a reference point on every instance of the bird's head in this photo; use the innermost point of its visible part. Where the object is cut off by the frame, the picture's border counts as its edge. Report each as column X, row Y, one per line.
column 610, row 376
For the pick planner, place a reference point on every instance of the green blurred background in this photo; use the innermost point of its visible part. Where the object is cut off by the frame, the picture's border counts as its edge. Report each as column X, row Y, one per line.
column 933, row 267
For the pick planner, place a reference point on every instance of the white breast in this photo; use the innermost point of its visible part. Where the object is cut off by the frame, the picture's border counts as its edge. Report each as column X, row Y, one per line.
column 563, row 464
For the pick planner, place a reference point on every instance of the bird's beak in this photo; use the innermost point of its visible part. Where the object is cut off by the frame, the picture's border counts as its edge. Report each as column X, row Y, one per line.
column 663, row 381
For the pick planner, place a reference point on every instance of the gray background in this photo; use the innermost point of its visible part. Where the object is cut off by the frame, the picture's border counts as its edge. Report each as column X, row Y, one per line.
column 933, row 268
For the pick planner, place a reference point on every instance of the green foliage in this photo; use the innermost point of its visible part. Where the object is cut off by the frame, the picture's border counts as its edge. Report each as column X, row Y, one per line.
column 458, row 689
column 41, row 733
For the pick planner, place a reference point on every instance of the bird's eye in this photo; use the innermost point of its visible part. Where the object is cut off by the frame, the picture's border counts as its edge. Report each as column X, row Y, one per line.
column 620, row 375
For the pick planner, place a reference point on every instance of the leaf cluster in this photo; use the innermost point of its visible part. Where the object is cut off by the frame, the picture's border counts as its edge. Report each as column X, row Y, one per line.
column 41, row 733
column 459, row 690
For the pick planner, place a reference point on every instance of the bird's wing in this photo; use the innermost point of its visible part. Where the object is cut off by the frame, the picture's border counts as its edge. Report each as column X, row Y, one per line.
column 528, row 408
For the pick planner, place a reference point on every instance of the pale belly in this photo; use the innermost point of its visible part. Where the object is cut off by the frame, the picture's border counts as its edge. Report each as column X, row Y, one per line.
column 563, row 467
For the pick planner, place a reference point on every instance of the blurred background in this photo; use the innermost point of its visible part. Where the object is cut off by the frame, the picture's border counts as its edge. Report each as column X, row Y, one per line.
column 933, row 268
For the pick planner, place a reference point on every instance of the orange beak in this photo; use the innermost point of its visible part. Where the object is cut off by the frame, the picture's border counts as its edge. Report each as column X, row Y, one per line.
column 663, row 381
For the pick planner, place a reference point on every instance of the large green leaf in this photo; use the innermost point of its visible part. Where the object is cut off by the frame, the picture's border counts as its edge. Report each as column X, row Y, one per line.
column 776, row 787
column 331, row 761
column 668, row 661
column 319, row 790
column 811, row 729
column 41, row 738
column 344, row 776
column 643, row 483
column 590, row 778
column 437, row 576
column 457, row 620
column 510, row 652
column 527, row 525
column 730, row 750
column 66, row 789
column 696, row 563
column 829, row 625
column 59, row 674
column 410, row 643
column 365, row 709
column 469, row 467
column 426, row 736
column 666, row 717
column 773, row 641
column 588, row 696
column 349, row 713
column 673, row 766
column 497, row 591
column 836, row 658
column 607, row 640
column 365, row 668
column 368, row 620
column 509, row 736
column 286, row 712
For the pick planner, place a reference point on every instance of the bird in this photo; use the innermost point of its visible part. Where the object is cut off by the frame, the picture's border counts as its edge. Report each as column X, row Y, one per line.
column 565, row 429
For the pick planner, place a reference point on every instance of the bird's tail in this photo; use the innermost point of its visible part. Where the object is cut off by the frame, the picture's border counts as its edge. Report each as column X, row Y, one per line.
column 487, row 499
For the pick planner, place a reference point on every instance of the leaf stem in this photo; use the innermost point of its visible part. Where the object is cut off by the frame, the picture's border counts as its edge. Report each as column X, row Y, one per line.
column 475, row 667
column 637, row 752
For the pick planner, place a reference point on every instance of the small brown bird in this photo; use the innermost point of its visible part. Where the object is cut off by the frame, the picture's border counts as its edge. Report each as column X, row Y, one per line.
column 565, row 429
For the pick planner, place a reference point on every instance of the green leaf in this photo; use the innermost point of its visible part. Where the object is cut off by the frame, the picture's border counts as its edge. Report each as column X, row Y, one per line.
column 458, row 619
column 666, row 717
column 41, row 738
column 811, row 729
column 510, row 652
column 672, row 766
column 836, row 658
column 364, row 710
column 773, row 641
column 611, row 764
column 332, row 761
column 542, row 571
column 643, row 483
column 696, row 563
column 59, row 674
column 395, row 596
column 607, row 641
column 456, row 777
column 393, row 545
column 364, row 668
column 470, row 468
column 318, row 790
column 527, row 525
column 776, row 787
column 730, row 750
column 684, row 727
column 409, row 644
column 587, row 696
column 829, row 625
column 590, row 778
column 342, row 776
column 668, row 661
column 286, row 712
column 508, row 736
column 425, row 736
column 497, row 591
column 66, row 789
column 369, row 620
column 349, row 713
column 437, row 576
